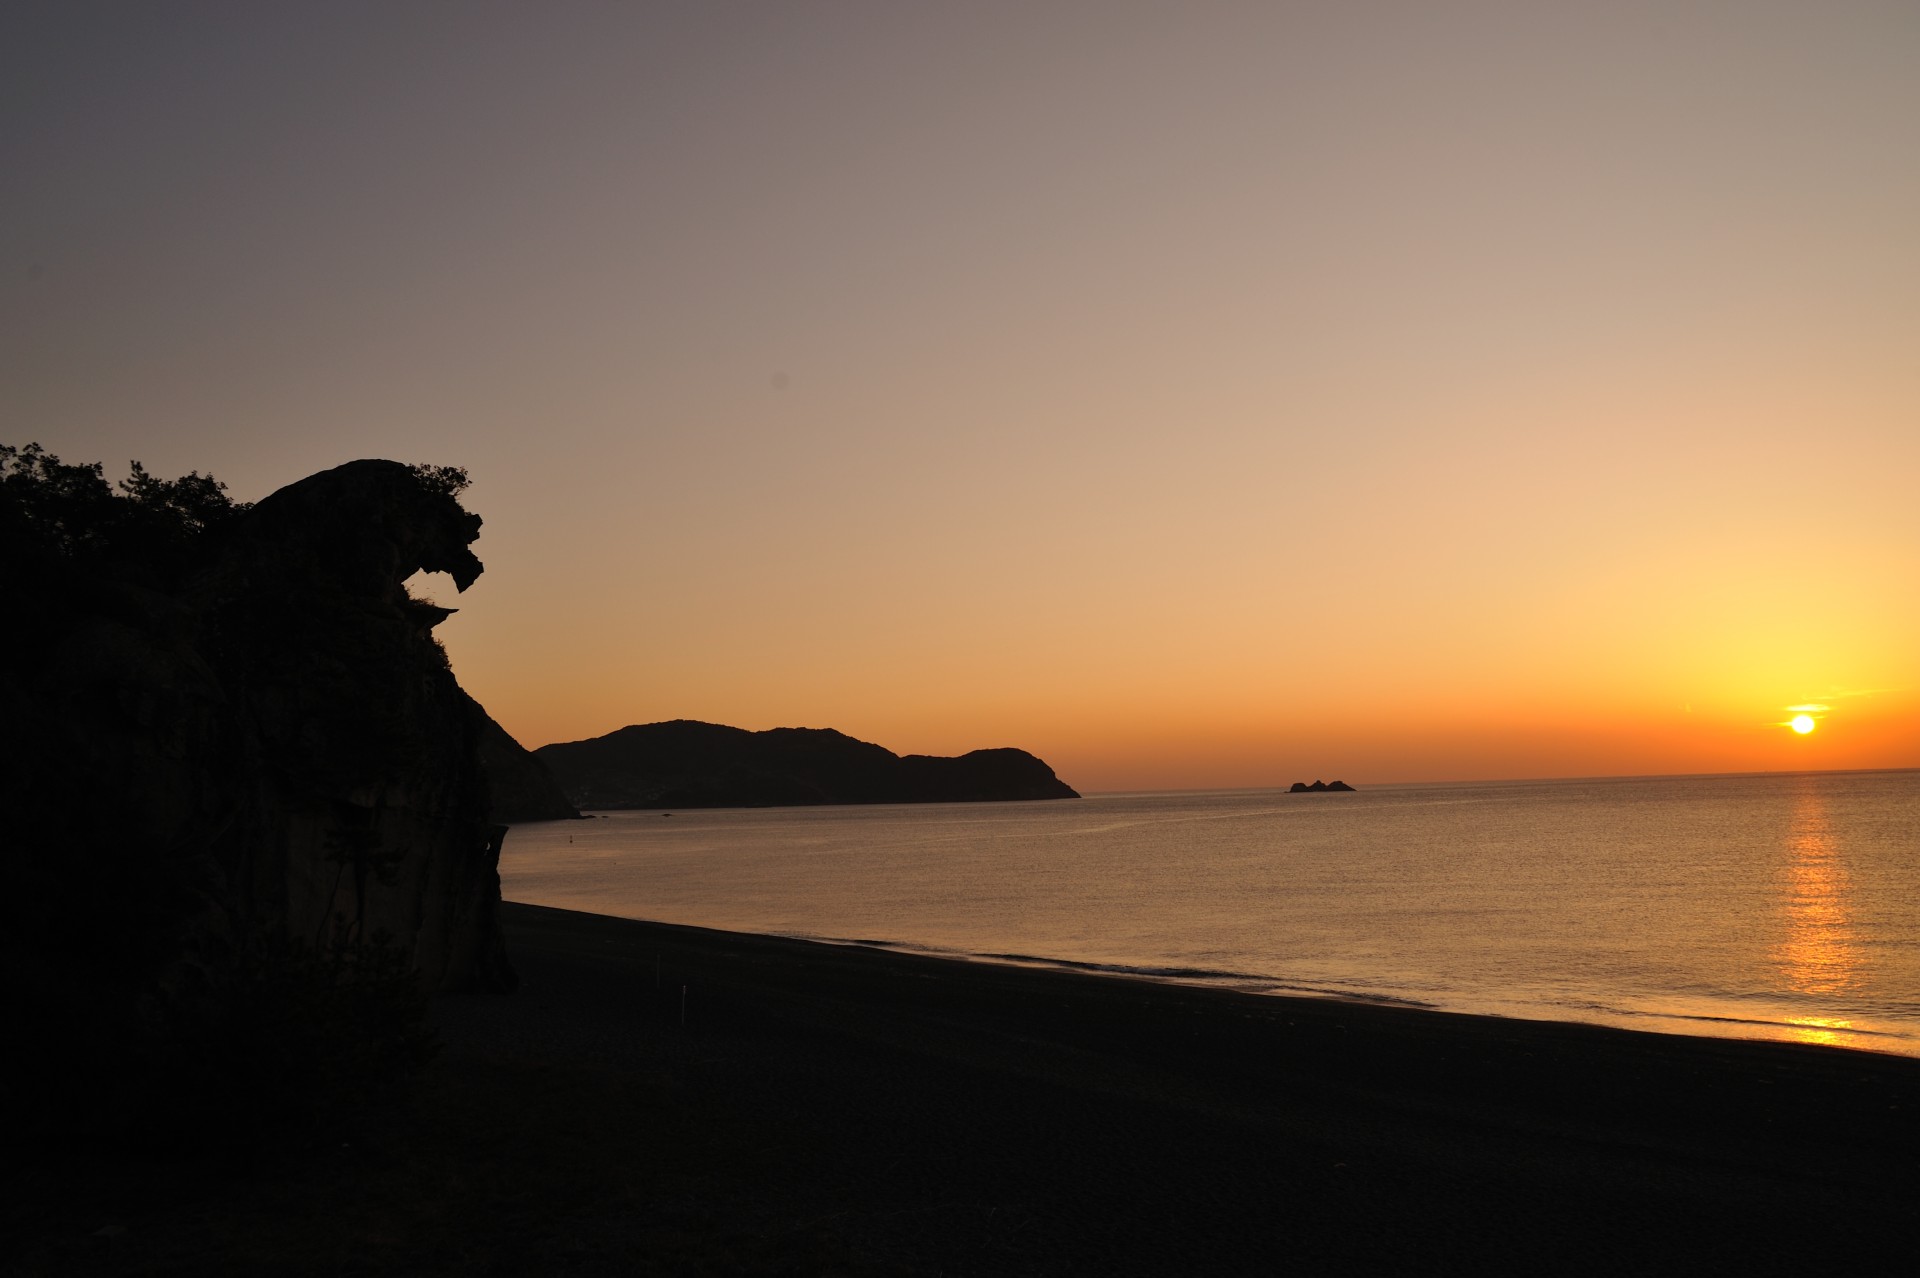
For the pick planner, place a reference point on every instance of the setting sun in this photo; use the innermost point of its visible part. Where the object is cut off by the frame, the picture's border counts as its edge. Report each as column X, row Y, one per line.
column 1801, row 723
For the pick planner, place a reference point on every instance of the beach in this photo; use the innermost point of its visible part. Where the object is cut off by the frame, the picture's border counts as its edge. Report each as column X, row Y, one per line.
column 660, row 1099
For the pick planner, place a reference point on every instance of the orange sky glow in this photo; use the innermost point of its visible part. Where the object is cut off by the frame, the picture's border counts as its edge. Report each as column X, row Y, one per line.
column 1200, row 395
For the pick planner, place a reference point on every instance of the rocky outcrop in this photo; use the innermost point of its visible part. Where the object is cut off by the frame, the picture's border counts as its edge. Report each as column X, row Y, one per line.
column 687, row 764
column 1318, row 787
column 264, row 748
column 363, row 811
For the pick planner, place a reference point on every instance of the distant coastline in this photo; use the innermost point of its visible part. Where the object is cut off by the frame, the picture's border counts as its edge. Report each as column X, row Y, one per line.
column 684, row 763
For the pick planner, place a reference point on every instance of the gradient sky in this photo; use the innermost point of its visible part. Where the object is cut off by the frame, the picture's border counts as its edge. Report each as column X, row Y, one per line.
column 1194, row 394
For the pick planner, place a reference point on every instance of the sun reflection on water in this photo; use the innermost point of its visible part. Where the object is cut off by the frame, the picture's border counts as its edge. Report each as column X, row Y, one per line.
column 1823, row 1030
column 1819, row 953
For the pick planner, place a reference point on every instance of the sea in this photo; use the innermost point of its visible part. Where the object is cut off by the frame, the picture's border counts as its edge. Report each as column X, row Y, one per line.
column 1775, row 906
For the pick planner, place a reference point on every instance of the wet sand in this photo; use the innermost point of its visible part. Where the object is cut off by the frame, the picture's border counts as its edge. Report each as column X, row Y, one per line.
column 830, row 1109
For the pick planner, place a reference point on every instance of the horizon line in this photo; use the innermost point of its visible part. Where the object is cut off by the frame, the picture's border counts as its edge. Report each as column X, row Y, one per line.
column 1281, row 787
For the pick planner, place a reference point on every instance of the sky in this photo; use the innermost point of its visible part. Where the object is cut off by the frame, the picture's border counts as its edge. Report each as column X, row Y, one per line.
column 1195, row 394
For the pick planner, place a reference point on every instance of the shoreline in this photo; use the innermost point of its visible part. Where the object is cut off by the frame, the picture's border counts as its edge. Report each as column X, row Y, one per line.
column 1878, row 1039
column 1678, row 937
column 1242, row 985
column 1037, row 1120
column 1806, row 1033
column 660, row 1099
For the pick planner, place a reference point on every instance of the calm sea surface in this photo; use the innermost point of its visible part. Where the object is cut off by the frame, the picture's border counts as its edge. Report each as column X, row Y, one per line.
column 1777, row 906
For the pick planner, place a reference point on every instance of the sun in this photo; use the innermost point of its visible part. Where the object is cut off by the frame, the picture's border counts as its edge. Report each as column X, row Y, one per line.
column 1801, row 723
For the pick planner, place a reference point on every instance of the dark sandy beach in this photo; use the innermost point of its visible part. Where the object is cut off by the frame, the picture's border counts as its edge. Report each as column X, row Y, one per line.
column 833, row 1109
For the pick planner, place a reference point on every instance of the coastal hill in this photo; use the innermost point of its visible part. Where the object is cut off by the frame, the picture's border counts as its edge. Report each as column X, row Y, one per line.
column 522, row 788
column 1319, row 787
column 688, row 764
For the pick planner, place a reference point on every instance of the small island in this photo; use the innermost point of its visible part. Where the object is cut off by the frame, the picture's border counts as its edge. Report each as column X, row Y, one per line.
column 1318, row 787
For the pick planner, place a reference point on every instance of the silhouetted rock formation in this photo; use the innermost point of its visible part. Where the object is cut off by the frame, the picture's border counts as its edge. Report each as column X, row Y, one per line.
column 244, row 789
column 1318, row 787
column 687, row 764
column 362, row 803
column 523, row 788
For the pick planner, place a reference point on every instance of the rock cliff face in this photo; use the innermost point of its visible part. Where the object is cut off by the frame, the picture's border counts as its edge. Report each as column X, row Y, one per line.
column 687, row 764
column 266, row 748
column 365, row 811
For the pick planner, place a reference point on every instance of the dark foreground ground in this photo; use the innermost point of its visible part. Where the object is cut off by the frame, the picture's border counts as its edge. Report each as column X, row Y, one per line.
column 838, row 1110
